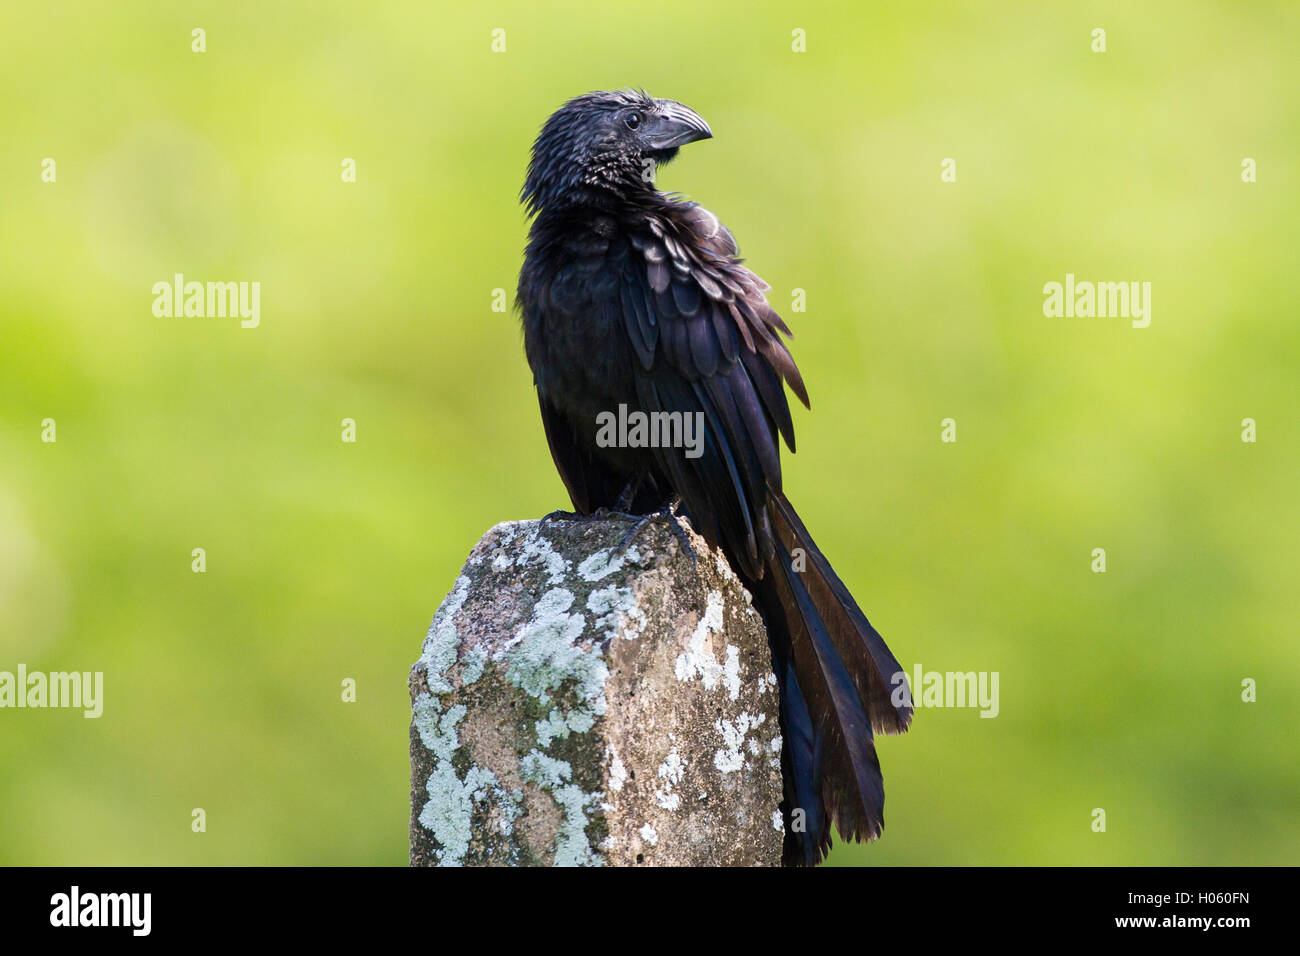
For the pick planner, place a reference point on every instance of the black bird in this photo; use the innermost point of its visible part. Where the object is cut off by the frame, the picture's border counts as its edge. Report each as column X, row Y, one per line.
column 635, row 297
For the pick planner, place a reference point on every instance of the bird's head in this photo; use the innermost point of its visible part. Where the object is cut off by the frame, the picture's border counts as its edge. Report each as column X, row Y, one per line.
column 599, row 147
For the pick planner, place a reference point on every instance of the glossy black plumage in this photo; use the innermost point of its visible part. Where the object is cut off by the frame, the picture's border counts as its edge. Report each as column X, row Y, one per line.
column 637, row 298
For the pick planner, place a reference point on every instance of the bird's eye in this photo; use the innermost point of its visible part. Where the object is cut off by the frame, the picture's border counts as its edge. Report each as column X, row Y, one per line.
column 632, row 120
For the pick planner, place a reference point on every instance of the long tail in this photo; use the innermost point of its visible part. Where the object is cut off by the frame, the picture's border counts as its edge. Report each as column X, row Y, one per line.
column 839, row 683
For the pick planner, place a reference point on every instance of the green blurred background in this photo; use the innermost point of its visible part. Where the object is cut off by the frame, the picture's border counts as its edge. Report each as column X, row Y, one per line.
column 326, row 560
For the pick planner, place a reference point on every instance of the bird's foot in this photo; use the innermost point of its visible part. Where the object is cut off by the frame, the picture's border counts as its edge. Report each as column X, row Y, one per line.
column 600, row 514
column 665, row 512
column 561, row 515
column 679, row 532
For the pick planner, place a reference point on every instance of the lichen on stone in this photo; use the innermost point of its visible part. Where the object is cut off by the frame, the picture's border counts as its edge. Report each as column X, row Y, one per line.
column 605, row 562
column 565, row 706
column 472, row 665
column 546, row 653
column 616, row 609
column 698, row 660
column 732, row 755
column 442, row 641
column 670, row 772
column 571, row 846
column 559, row 723
column 452, row 796
column 617, row 772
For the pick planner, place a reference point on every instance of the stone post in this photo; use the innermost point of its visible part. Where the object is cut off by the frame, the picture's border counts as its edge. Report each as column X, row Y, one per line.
column 574, row 706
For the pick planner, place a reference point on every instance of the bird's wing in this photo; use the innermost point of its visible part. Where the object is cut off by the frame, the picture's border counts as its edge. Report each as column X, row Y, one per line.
column 589, row 481
column 707, row 342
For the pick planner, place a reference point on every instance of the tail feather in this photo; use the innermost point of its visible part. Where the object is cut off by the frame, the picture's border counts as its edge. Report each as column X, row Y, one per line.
column 875, row 670
column 837, row 708
column 836, row 676
column 801, row 760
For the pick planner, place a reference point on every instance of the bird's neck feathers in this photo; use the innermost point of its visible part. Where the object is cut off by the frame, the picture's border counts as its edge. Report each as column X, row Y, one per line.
column 606, row 181
column 584, row 190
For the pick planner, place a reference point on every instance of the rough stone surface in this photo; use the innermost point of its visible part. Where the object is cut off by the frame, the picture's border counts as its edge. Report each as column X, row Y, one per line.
column 576, row 707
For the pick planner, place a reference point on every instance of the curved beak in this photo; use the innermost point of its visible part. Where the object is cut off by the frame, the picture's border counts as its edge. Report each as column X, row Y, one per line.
column 671, row 125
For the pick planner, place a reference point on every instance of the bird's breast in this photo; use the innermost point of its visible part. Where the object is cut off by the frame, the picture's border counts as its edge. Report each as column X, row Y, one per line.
column 574, row 334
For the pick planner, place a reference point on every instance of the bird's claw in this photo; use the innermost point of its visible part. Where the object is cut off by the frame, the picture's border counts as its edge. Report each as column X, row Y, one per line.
column 638, row 522
column 560, row 515
column 604, row 512
column 683, row 539
column 626, row 540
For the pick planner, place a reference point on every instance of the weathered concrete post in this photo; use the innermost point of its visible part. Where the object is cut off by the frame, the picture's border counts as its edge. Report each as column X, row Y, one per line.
column 573, row 707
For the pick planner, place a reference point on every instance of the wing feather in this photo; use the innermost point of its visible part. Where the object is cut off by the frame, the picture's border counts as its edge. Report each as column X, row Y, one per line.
column 708, row 343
